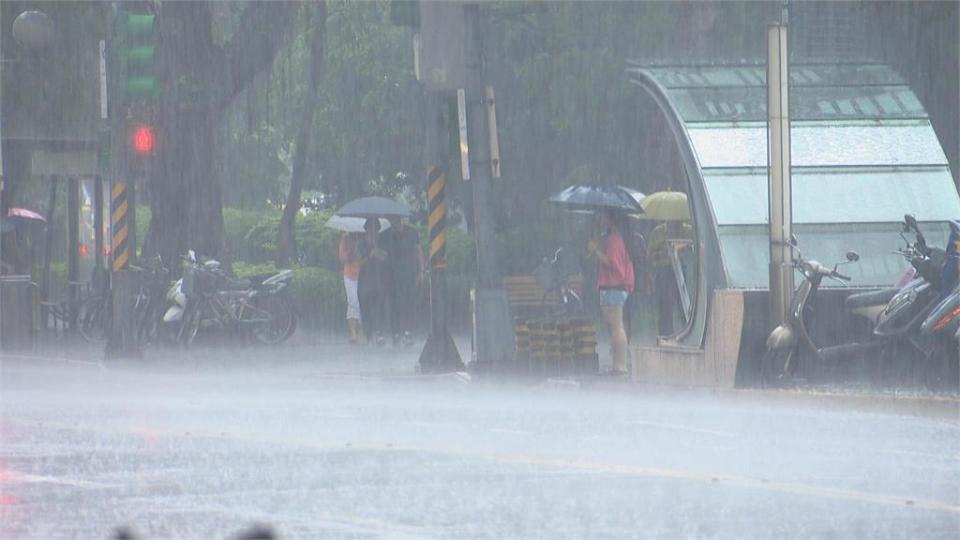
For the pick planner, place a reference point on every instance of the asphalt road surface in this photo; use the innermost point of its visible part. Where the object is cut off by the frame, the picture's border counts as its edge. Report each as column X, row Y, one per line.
column 327, row 443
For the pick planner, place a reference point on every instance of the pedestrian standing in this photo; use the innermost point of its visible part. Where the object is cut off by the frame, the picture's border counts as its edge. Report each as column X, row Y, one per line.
column 615, row 279
column 351, row 259
column 405, row 267
column 372, row 286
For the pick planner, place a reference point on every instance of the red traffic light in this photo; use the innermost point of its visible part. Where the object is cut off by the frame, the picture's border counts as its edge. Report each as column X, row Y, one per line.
column 143, row 139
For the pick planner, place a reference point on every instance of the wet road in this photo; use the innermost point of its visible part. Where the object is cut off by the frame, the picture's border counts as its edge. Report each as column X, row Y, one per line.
column 326, row 445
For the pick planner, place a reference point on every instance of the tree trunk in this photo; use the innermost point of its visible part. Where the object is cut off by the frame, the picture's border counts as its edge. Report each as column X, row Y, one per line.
column 198, row 80
column 287, row 241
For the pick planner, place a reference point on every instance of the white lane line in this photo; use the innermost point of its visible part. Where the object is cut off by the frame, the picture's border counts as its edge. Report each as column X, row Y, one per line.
column 508, row 431
column 678, row 427
column 719, row 478
column 14, row 477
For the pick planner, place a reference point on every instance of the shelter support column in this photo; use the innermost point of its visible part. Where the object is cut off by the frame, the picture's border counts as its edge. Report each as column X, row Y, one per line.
column 778, row 161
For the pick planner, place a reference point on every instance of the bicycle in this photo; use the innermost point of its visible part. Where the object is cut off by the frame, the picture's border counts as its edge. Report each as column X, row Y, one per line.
column 96, row 311
column 553, row 276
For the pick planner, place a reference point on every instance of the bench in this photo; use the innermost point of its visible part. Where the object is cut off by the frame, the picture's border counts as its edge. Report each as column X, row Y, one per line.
column 548, row 345
column 526, row 295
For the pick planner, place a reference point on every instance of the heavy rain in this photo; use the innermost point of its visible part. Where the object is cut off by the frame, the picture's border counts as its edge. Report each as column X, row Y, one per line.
column 498, row 269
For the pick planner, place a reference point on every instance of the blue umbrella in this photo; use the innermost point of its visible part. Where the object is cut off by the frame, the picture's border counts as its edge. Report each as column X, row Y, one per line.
column 366, row 207
column 580, row 197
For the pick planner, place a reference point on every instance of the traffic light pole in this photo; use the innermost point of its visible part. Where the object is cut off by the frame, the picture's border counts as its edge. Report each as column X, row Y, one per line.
column 121, row 341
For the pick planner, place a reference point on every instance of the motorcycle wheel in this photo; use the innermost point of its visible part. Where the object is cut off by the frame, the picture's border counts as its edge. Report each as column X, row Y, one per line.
column 776, row 367
column 282, row 323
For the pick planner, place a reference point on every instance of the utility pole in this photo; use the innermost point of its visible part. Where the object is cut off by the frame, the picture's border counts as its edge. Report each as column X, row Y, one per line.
column 440, row 353
column 450, row 61
column 494, row 337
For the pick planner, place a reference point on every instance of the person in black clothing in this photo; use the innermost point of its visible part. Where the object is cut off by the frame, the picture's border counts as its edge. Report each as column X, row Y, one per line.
column 404, row 273
column 373, row 284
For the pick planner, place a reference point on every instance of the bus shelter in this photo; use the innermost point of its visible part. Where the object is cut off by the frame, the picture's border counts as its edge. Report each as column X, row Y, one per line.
column 864, row 153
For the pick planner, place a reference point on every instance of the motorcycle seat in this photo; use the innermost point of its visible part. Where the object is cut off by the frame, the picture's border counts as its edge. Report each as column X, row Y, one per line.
column 231, row 284
column 872, row 298
column 259, row 278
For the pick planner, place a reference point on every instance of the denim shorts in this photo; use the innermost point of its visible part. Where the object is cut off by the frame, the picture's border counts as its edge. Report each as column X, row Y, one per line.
column 613, row 297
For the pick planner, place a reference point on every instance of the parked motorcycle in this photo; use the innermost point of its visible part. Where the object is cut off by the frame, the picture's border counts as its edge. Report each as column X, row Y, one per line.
column 206, row 298
column 919, row 282
column 790, row 343
column 942, row 325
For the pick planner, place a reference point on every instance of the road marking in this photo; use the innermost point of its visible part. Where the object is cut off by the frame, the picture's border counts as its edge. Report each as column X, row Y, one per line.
column 509, row 431
column 14, row 477
column 677, row 427
column 792, row 488
column 55, row 359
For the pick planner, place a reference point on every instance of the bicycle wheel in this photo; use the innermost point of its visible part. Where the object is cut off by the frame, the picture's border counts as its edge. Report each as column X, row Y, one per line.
column 94, row 318
column 282, row 320
column 189, row 326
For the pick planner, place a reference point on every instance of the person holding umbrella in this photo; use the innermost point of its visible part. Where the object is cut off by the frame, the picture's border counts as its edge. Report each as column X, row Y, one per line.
column 351, row 257
column 373, row 283
column 615, row 279
column 610, row 205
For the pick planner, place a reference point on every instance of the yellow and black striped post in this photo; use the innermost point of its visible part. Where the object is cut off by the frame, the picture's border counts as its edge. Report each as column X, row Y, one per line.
column 119, row 226
column 437, row 217
column 122, row 338
column 439, row 352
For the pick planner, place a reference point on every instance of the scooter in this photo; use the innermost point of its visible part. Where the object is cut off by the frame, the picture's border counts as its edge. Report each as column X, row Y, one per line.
column 924, row 270
column 790, row 343
column 942, row 325
column 908, row 308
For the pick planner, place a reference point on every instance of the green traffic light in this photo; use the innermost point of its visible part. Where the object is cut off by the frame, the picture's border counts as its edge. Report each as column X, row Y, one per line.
column 137, row 24
column 141, row 57
column 142, row 87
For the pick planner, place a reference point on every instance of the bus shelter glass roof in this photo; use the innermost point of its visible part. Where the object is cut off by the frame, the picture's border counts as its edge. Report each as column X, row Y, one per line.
column 863, row 154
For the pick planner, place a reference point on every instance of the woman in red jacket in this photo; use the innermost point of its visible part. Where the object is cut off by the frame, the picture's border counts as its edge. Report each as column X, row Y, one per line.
column 615, row 279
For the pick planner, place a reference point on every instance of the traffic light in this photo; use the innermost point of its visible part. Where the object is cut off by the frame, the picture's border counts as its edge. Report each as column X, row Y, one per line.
column 136, row 86
column 138, row 54
column 142, row 139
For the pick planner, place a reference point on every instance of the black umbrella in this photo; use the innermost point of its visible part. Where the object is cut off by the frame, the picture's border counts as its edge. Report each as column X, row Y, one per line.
column 593, row 196
column 366, row 207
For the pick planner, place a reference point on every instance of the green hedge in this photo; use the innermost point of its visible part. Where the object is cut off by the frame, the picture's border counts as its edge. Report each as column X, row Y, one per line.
column 237, row 224
column 317, row 243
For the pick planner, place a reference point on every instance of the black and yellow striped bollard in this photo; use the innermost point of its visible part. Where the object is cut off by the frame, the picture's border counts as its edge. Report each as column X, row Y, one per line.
column 119, row 225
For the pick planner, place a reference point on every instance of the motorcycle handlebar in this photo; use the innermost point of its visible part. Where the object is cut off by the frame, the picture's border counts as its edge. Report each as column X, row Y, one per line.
column 838, row 275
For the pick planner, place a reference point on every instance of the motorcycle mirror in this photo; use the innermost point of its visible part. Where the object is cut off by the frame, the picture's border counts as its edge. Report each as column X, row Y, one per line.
column 853, row 256
column 910, row 221
column 793, row 240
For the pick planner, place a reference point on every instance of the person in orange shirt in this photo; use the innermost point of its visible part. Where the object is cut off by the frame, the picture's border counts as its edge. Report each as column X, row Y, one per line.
column 351, row 258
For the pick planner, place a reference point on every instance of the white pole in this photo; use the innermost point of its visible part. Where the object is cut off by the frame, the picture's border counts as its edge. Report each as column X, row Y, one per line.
column 778, row 161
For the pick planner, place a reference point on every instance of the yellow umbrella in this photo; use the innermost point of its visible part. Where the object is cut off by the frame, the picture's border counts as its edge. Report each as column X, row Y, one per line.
column 666, row 206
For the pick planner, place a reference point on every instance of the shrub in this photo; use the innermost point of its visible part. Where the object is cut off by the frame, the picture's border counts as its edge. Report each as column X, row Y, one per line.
column 237, row 223
column 317, row 243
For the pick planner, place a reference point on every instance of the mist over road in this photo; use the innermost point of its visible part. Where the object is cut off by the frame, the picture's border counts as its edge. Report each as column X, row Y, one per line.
column 325, row 443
